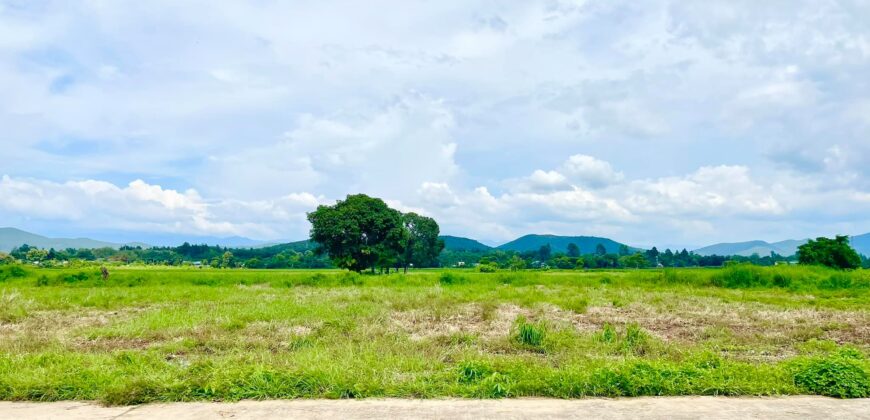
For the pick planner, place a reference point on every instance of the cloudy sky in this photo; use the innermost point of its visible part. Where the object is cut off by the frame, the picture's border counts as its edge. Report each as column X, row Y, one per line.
column 654, row 123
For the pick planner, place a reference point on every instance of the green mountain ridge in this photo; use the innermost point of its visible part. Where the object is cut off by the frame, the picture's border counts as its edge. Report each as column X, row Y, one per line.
column 457, row 243
column 587, row 244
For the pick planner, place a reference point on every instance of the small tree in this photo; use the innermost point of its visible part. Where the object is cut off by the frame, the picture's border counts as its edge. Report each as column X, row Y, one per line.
column 545, row 252
column 573, row 250
column 227, row 260
column 835, row 253
column 516, row 263
column 600, row 250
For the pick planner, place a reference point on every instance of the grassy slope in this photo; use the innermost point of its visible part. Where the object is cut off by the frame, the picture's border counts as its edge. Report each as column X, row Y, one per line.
column 175, row 334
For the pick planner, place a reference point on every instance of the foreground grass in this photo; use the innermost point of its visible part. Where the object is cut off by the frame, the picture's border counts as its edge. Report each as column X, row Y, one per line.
column 178, row 335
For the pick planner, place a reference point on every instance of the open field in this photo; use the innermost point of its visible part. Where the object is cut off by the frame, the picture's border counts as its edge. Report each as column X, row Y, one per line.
column 184, row 334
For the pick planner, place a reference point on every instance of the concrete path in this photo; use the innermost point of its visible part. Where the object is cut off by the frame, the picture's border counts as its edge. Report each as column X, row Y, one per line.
column 648, row 408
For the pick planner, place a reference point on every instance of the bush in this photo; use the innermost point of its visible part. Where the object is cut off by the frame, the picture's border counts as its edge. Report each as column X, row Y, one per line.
column 487, row 268
column 12, row 271
column 741, row 276
column 837, row 376
column 448, row 279
column 60, row 279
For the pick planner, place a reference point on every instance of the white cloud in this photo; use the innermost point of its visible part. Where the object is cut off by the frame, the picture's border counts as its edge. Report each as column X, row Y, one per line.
column 389, row 151
column 150, row 208
column 434, row 106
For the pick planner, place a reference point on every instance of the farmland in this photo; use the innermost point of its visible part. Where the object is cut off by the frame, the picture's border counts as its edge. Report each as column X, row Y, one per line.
column 180, row 334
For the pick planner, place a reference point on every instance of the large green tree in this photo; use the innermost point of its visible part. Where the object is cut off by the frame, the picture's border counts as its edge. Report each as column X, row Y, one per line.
column 420, row 241
column 836, row 253
column 359, row 232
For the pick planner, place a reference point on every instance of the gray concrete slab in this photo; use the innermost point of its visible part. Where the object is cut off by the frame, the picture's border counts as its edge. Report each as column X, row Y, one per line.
column 803, row 407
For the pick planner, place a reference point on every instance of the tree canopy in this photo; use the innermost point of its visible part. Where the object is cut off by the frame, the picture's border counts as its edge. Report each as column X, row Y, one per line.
column 362, row 232
column 836, row 253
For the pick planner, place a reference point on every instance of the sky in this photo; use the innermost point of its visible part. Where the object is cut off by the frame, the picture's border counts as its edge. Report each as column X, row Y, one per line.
column 675, row 123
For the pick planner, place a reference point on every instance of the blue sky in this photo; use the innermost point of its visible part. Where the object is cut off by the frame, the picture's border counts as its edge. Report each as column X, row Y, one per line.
column 654, row 123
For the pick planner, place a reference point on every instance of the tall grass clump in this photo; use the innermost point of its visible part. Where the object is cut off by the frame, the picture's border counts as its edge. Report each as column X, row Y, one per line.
column 529, row 334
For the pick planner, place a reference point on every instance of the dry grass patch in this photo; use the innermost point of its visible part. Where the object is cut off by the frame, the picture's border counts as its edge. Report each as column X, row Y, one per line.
column 483, row 320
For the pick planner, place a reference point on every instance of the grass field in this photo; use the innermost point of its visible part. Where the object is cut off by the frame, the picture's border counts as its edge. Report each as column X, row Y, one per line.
column 185, row 334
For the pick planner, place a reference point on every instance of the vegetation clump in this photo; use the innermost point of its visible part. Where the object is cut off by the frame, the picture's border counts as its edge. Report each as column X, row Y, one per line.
column 838, row 376
column 530, row 334
column 834, row 253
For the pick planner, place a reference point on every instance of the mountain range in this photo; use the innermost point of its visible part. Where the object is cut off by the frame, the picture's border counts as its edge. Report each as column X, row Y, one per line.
column 11, row 238
column 861, row 243
column 746, row 249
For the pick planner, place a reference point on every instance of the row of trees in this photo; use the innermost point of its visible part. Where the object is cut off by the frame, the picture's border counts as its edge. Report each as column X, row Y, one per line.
column 293, row 255
column 544, row 257
column 363, row 232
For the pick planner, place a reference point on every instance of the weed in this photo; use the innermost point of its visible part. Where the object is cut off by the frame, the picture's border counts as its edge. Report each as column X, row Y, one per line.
column 607, row 334
column 472, row 371
column 836, row 376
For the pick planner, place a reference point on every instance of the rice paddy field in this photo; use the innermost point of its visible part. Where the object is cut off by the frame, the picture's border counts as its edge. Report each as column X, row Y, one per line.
column 164, row 334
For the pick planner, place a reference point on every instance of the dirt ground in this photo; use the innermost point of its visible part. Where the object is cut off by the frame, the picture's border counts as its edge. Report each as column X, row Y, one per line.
column 648, row 408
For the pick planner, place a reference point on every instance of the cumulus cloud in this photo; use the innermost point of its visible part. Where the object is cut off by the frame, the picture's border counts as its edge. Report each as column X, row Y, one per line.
column 148, row 208
column 346, row 153
column 645, row 119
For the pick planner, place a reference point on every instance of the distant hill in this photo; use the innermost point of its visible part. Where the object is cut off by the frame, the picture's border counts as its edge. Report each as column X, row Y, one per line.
column 456, row 243
column 861, row 243
column 745, row 249
column 587, row 244
column 11, row 238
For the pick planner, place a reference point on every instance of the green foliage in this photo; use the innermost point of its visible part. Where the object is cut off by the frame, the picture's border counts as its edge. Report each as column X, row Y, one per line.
column 448, row 279
column 362, row 232
column 838, row 376
column 472, row 371
column 834, row 253
column 11, row 272
column 487, row 268
column 420, row 244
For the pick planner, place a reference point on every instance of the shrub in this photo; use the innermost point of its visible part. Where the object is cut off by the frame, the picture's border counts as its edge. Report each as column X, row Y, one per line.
column 837, row 376
column 487, row 268
column 530, row 334
column 740, row 276
column 837, row 281
column 12, row 271
column 447, row 279
column 350, row 278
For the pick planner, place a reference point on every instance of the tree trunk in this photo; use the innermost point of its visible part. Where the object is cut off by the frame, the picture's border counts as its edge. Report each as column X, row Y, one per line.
column 406, row 268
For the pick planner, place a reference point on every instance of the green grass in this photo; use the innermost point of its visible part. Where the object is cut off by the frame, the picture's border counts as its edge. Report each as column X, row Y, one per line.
column 185, row 334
